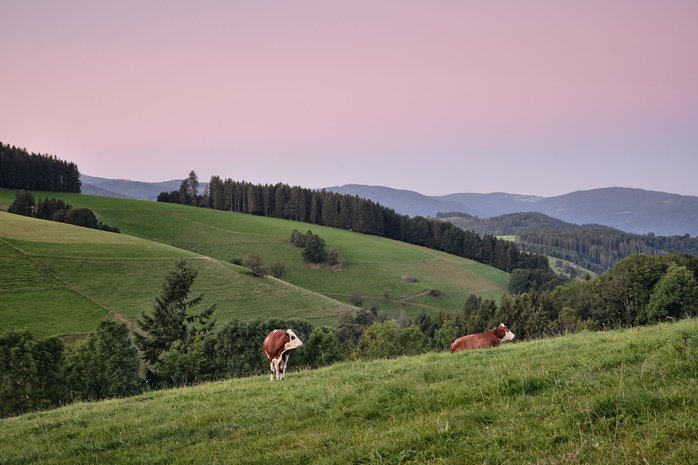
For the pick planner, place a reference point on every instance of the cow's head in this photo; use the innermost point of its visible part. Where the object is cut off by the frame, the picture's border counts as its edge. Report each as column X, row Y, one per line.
column 503, row 333
column 294, row 341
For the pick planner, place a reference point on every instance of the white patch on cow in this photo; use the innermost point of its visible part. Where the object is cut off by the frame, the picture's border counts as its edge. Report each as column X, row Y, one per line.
column 294, row 342
column 508, row 336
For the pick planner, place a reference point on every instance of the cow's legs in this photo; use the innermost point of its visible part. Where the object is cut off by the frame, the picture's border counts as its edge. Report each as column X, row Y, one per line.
column 283, row 364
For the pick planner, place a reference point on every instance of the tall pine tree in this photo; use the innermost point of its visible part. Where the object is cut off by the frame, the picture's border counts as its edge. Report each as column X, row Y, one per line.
column 171, row 321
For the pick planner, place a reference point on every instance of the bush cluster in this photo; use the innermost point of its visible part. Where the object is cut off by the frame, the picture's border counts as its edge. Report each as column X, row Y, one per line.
column 56, row 210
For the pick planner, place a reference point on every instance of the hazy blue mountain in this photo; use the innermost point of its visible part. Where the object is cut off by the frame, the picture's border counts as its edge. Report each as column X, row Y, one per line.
column 494, row 204
column 631, row 210
column 403, row 201
column 94, row 189
column 127, row 188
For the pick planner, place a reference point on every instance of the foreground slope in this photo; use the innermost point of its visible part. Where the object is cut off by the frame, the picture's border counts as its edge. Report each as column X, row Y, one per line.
column 374, row 265
column 62, row 279
column 616, row 397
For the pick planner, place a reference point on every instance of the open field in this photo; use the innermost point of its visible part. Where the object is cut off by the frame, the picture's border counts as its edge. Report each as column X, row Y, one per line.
column 373, row 265
column 615, row 397
column 62, row 279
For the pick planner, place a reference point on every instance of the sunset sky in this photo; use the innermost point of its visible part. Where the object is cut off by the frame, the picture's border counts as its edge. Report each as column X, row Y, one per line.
column 530, row 97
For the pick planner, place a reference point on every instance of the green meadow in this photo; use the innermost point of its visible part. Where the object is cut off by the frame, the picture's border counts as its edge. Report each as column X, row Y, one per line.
column 595, row 398
column 373, row 265
column 62, row 279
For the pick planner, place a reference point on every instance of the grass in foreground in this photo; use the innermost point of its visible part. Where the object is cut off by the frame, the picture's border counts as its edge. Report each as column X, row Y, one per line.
column 616, row 397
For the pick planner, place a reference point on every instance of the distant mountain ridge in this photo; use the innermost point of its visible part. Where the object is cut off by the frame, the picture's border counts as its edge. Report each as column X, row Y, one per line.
column 632, row 210
column 628, row 209
column 125, row 188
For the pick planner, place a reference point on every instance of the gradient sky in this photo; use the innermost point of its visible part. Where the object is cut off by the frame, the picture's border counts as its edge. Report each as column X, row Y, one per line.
column 530, row 97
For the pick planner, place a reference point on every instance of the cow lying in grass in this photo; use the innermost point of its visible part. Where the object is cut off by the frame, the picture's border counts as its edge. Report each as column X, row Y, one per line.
column 484, row 340
column 277, row 347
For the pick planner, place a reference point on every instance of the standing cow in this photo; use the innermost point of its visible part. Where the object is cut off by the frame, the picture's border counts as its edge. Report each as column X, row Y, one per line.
column 484, row 340
column 277, row 347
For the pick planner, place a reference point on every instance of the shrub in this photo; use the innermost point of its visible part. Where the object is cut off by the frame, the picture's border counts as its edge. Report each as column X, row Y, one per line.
column 254, row 263
column 356, row 300
column 298, row 239
column 278, row 269
column 314, row 251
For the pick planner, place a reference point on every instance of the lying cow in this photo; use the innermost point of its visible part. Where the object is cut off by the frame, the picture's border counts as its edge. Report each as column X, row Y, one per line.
column 277, row 347
column 484, row 340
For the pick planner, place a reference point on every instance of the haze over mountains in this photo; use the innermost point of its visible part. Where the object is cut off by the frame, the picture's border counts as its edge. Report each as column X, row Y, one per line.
column 628, row 209
column 632, row 210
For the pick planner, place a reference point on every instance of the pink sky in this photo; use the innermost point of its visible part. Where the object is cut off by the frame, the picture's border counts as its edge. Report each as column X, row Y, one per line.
column 537, row 97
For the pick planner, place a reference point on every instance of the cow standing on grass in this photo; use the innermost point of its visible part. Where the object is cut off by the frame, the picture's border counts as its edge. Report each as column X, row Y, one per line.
column 277, row 347
column 485, row 340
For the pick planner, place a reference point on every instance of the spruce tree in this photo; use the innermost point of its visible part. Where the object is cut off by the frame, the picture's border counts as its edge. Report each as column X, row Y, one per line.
column 170, row 321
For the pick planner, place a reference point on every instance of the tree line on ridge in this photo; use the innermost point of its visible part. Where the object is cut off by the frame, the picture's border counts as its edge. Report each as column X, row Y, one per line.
column 22, row 170
column 351, row 213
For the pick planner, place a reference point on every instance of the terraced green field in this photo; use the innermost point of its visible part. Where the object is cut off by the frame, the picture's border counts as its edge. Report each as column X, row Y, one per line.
column 62, row 279
column 373, row 265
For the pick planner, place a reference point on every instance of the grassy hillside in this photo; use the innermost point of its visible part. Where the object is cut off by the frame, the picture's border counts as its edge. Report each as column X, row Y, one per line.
column 62, row 279
column 616, row 397
column 374, row 265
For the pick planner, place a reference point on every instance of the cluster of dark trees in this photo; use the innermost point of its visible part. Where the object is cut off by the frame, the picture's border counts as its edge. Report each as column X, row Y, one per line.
column 594, row 247
column 180, row 346
column 22, row 170
column 56, row 210
column 351, row 213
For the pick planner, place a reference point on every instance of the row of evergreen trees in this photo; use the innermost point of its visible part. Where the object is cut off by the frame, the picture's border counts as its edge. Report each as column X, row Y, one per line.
column 351, row 213
column 22, row 170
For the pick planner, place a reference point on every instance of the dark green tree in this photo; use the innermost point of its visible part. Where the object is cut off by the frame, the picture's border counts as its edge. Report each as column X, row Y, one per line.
column 24, row 204
column 314, row 251
column 675, row 295
column 322, row 347
column 170, row 320
column 380, row 340
column 105, row 365
column 30, row 372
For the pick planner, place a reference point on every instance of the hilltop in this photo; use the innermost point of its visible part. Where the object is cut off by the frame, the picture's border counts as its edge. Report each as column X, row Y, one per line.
column 614, row 397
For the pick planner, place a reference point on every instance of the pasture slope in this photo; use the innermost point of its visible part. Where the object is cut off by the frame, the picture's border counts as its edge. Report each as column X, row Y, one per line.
column 62, row 279
column 373, row 265
column 616, row 397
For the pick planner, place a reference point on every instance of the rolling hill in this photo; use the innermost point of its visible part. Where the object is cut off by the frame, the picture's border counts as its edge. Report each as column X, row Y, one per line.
column 592, row 246
column 610, row 397
column 374, row 266
column 62, row 279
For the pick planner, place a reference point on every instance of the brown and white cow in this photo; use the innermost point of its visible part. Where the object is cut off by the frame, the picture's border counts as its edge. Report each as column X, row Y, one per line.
column 277, row 346
column 491, row 338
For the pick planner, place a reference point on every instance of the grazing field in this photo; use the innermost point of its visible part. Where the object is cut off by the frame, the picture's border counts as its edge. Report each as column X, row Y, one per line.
column 373, row 267
column 615, row 397
column 62, row 279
